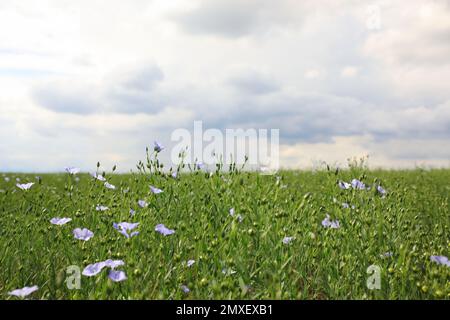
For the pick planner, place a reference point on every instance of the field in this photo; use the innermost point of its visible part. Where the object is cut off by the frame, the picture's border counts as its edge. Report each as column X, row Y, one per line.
column 275, row 244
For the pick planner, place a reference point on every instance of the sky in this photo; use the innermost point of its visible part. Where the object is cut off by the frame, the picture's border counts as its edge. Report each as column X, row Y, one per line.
column 95, row 80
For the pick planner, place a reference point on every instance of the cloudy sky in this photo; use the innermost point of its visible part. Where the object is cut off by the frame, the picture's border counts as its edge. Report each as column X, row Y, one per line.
column 95, row 80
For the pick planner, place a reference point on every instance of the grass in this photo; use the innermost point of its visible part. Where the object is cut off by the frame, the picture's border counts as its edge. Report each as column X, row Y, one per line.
column 411, row 221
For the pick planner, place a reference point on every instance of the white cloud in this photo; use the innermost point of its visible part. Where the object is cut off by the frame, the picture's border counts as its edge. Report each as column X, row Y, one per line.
column 349, row 71
column 413, row 48
column 313, row 74
column 236, row 18
column 395, row 153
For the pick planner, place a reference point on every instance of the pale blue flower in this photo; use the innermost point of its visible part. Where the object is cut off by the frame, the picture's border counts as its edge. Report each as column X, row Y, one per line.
column 113, row 263
column 381, row 190
column 83, row 234
column 93, row 269
column 96, row 268
column 125, row 227
column 117, row 276
column 132, row 212
column 199, row 165
column 174, row 174
column 158, row 147
column 25, row 186
column 232, row 213
column 101, row 208
column 60, row 221
column 98, row 176
column 357, row 184
column 25, row 291
column 287, row 240
column 344, row 185
column 72, row 170
column 142, row 203
column 163, row 230
column 441, row 260
column 190, row 263
column 328, row 223
column 155, row 190
column 185, row 289
column 110, row 186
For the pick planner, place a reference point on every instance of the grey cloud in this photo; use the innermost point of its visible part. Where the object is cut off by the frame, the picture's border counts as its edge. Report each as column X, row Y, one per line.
column 254, row 83
column 142, row 79
column 237, row 18
column 136, row 91
column 125, row 101
column 316, row 117
column 228, row 21
column 65, row 99
column 129, row 91
column 252, row 100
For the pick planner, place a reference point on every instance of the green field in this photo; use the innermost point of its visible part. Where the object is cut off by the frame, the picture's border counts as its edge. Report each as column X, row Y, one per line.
column 236, row 257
